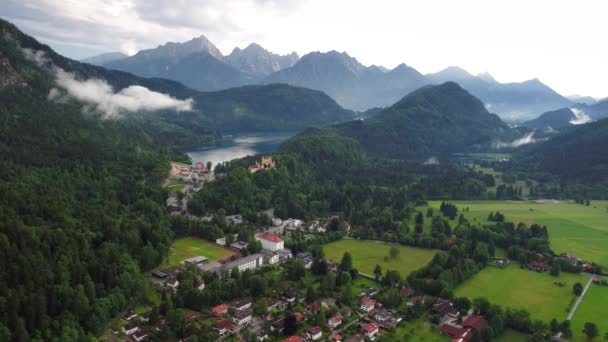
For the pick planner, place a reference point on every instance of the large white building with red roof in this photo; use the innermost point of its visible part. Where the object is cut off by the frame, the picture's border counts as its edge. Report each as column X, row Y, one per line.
column 270, row 241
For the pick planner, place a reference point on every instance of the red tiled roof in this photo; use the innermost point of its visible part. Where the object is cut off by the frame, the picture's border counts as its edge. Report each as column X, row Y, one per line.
column 223, row 324
column 336, row 338
column 368, row 302
column 476, row 322
column 269, row 236
column 336, row 319
column 293, row 339
column 371, row 327
column 451, row 330
column 218, row 310
column 191, row 314
column 299, row 316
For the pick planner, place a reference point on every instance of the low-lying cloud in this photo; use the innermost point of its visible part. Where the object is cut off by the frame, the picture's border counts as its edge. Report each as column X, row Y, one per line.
column 525, row 140
column 132, row 99
column 101, row 95
column 580, row 117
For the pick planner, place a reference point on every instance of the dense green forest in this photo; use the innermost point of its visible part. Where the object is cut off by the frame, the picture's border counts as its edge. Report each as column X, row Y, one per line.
column 81, row 205
column 431, row 121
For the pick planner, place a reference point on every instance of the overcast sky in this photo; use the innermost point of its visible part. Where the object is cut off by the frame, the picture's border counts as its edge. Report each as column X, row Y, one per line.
column 563, row 43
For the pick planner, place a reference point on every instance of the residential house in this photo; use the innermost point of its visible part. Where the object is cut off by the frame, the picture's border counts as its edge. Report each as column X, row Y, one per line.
column 370, row 292
column 223, row 327
column 140, row 335
column 315, row 333
column 294, row 339
column 159, row 274
column 242, row 317
column 221, row 241
column 313, row 308
column 145, row 317
column 278, row 326
column 334, row 321
column 367, row 304
column 328, row 303
column 355, row 338
column 455, row 332
column 220, row 310
column 442, row 307
column 130, row 328
column 406, row 292
column 129, row 315
column 172, row 283
column 336, row 338
column 306, row 259
column 242, row 304
column 371, row 330
column 270, row 241
column 415, row 300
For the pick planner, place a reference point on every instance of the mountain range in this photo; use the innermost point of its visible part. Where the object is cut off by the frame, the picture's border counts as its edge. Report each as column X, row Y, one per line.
column 200, row 65
column 577, row 114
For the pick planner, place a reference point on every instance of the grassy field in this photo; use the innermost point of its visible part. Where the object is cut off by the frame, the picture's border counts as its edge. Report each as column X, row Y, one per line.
column 594, row 308
column 186, row 248
column 366, row 254
column 499, row 180
column 574, row 228
column 417, row 331
column 523, row 289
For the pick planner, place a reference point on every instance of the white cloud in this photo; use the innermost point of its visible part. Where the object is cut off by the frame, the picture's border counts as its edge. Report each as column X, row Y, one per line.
column 525, row 140
column 513, row 40
column 100, row 94
column 581, row 117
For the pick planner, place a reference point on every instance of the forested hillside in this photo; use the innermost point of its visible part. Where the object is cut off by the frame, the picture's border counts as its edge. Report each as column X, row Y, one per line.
column 431, row 121
column 81, row 206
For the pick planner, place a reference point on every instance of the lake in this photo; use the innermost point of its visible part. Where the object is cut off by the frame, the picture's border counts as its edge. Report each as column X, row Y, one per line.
column 239, row 146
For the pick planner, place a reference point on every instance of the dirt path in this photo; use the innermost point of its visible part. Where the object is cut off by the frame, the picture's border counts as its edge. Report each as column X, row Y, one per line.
column 579, row 299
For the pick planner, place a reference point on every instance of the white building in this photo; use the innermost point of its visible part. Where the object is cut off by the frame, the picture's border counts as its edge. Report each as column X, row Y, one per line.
column 270, row 241
column 270, row 258
column 252, row 261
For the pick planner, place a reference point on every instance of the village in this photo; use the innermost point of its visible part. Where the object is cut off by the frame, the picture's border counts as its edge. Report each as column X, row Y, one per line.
column 288, row 312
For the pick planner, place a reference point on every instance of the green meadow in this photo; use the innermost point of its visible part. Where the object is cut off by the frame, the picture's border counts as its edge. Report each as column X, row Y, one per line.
column 593, row 308
column 522, row 289
column 366, row 254
column 573, row 228
column 186, row 248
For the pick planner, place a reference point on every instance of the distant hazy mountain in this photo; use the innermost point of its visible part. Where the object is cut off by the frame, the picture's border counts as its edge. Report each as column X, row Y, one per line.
column 512, row 101
column 436, row 120
column 258, row 61
column 199, row 64
column 352, row 84
column 597, row 110
column 555, row 119
column 196, row 63
column 104, row 58
column 588, row 100
column 358, row 87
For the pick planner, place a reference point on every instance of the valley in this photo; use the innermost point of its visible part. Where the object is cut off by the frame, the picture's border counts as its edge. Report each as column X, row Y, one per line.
column 181, row 193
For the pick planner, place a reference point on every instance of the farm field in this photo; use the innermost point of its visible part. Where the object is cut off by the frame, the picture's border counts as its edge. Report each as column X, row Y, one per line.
column 366, row 254
column 186, row 248
column 593, row 308
column 522, row 289
column 573, row 228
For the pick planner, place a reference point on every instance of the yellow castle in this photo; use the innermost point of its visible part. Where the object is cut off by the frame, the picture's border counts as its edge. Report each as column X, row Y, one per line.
column 266, row 163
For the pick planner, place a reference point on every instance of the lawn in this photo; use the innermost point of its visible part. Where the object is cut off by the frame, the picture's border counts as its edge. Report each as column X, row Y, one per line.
column 594, row 308
column 522, row 289
column 186, row 248
column 419, row 331
column 573, row 228
column 366, row 254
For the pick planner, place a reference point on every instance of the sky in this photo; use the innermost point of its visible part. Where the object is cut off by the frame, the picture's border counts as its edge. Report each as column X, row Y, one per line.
column 562, row 43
